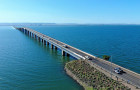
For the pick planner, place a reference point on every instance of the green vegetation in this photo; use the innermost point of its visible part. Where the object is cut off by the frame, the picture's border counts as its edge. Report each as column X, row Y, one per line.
column 93, row 77
column 106, row 57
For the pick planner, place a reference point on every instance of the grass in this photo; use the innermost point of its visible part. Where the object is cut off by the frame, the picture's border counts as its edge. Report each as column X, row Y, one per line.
column 95, row 79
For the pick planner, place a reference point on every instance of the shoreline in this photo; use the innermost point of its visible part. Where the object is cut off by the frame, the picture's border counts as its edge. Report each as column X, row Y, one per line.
column 86, row 86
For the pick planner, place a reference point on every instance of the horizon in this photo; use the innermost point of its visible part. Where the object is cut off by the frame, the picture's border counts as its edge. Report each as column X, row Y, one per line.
column 70, row 11
column 67, row 23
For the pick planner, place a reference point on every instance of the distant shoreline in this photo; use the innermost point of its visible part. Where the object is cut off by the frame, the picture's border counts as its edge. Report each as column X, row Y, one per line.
column 59, row 24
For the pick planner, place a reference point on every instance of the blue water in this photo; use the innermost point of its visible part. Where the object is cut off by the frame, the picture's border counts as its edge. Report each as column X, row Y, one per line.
column 26, row 64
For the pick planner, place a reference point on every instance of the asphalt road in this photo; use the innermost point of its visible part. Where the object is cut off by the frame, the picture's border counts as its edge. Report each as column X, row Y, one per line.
column 127, row 76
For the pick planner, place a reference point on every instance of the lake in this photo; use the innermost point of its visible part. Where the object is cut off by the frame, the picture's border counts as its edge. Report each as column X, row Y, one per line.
column 27, row 64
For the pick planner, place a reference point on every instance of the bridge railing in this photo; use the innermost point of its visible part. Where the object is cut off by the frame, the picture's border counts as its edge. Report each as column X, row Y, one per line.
column 115, row 75
column 55, row 42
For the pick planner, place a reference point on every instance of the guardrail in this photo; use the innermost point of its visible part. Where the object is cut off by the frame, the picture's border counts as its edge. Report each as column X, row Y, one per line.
column 123, row 79
column 131, row 72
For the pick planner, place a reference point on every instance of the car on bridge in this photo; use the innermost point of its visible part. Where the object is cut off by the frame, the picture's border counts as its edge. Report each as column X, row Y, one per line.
column 65, row 46
column 118, row 70
column 88, row 58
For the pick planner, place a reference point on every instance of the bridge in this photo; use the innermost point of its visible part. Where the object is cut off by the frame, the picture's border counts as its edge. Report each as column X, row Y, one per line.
column 67, row 50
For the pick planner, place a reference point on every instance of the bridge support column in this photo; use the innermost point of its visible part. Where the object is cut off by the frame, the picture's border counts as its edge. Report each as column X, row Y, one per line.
column 63, row 53
column 35, row 37
column 44, row 42
column 47, row 43
column 32, row 35
column 51, row 46
column 20, row 29
column 55, row 47
column 23, row 30
column 28, row 32
column 39, row 39
column 68, row 54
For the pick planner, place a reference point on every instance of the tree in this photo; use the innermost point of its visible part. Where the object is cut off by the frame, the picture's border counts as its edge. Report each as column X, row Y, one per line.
column 106, row 57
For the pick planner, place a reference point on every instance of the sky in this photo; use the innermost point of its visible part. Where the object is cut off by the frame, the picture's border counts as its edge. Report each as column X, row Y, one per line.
column 70, row 11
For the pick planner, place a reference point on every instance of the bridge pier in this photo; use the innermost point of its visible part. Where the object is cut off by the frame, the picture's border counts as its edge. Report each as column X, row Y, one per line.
column 35, row 37
column 25, row 31
column 68, row 54
column 51, row 46
column 44, row 42
column 55, row 47
column 47, row 43
column 28, row 33
column 21, row 30
column 63, row 53
column 39, row 39
column 32, row 35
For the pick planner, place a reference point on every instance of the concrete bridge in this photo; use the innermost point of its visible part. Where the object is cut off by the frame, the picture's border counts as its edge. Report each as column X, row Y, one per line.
column 67, row 50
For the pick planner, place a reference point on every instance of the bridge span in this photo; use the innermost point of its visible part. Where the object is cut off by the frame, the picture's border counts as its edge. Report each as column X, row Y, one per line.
column 129, row 76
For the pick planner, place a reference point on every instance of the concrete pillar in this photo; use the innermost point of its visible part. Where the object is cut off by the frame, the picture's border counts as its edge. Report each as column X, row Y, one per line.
column 23, row 30
column 28, row 32
column 63, row 53
column 32, row 35
column 19, row 29
column 55, row 47
column 39, row 39
column 68, row 54
column 35, row 36
column 44, row 42
column 51, row 46
column 47, row 43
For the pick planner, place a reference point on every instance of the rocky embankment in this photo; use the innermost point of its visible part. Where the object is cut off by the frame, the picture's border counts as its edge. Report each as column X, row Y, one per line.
column 91, row 78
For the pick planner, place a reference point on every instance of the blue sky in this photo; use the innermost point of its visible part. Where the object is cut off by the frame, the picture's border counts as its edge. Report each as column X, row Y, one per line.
column 71, row 11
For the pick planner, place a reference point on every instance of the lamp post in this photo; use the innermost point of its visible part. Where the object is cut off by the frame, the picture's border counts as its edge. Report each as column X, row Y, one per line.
column 111, row 66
